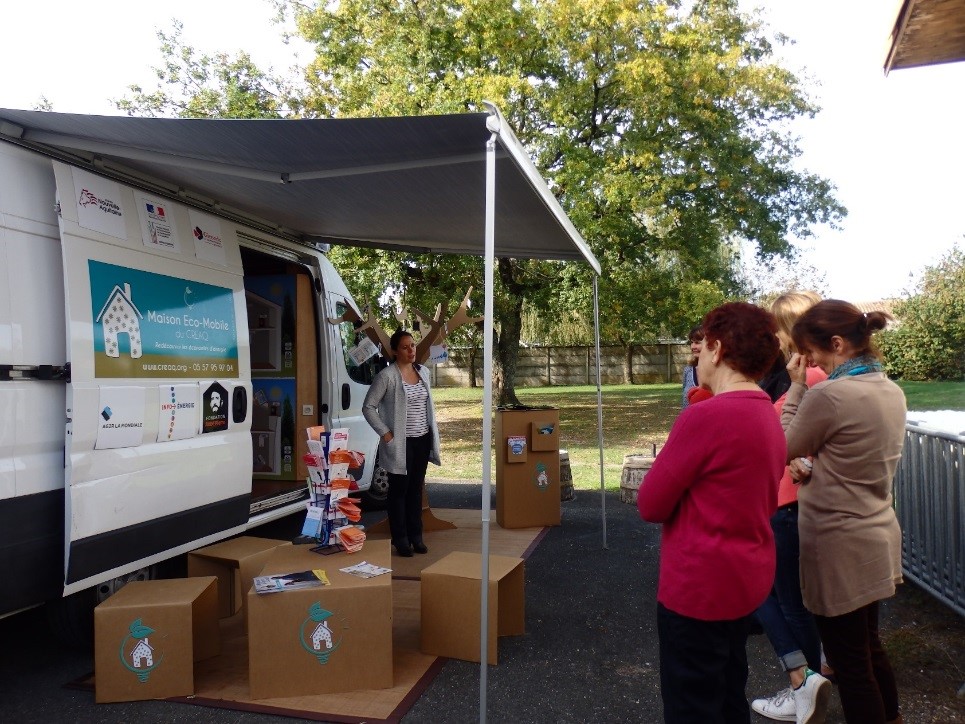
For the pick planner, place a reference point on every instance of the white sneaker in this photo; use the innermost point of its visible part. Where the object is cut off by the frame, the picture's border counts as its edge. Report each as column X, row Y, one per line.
column 811, row 699
column 781, row 706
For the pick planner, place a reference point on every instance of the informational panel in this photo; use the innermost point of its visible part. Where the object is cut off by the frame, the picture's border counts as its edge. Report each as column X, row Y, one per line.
column 152, row 325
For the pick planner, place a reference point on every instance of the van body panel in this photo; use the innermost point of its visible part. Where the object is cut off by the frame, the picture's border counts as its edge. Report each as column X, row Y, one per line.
column 102, row 472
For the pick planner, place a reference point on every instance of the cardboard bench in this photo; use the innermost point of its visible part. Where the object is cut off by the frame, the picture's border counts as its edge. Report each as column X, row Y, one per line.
column 450, row 609
column 148, row 635
column 321, row 640
column 235, row 563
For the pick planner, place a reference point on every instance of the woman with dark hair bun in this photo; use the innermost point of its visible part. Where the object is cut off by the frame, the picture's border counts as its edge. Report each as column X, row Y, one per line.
column 399, row 408
column 852, row 426
column 714, row 488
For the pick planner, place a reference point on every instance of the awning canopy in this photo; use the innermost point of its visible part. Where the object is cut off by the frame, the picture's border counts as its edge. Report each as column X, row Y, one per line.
column 927, row 32
column 413, row 183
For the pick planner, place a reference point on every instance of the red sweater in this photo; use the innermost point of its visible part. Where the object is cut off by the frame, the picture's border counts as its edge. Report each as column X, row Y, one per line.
column 714, row 488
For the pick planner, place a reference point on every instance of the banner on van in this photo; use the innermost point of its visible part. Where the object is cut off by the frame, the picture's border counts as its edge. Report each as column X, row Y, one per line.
column 152, row 325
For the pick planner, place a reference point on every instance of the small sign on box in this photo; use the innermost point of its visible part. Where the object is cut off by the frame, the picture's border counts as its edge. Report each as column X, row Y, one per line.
column 516, row 449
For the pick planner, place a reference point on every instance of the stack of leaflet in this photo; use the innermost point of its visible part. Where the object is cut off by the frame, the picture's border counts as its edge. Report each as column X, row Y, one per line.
column 331, row 511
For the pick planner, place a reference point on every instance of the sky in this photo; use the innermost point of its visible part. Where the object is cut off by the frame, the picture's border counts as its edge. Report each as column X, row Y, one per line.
column 891, row 146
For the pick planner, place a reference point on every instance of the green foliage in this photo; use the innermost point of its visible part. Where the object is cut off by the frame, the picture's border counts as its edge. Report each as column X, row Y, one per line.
column 929, row 341
column 661, row 127
column 197, row 85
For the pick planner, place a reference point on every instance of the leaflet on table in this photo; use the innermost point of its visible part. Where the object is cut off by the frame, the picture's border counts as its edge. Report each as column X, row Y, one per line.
column 290, row 581
column 364, row 569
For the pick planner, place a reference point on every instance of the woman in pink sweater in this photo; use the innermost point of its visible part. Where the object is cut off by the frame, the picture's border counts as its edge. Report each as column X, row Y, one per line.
column 714, row 488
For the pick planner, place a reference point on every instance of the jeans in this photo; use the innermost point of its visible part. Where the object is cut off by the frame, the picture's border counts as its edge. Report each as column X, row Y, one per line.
column 788, row 624
column 703, row 669
column 866, row 682
column 405, row 492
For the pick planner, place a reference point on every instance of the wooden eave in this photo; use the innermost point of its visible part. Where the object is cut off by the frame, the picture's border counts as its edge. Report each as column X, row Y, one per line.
column 927, row 32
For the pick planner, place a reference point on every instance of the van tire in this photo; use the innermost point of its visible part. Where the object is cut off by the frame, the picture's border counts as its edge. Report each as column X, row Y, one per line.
column 71, row 618
column 377, row 496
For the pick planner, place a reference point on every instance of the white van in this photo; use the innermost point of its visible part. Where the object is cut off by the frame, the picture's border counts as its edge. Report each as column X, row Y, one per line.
column 159, row 364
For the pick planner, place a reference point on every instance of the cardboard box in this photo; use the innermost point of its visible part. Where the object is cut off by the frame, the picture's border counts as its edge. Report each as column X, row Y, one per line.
column 322, row 640
column 528, row 493
column 451, row 605
column 234, row 563
column 148, row 635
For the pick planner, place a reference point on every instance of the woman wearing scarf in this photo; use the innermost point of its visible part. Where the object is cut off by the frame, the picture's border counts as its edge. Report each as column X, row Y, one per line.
column 852, row 426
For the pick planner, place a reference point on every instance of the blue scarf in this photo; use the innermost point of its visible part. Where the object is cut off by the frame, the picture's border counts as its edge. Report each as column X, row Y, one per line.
column 856, row 366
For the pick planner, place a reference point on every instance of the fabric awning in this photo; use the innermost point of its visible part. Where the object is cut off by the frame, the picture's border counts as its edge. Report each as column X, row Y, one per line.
column 405, row 182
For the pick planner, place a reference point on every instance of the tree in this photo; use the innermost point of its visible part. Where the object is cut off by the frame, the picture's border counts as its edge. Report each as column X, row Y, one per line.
column 662, row 128
column 928, row 343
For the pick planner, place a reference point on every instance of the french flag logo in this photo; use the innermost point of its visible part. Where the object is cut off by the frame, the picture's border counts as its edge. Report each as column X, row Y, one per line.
column 152, row 209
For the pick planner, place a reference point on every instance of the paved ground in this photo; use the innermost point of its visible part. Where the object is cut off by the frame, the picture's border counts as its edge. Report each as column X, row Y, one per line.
column 589, row 653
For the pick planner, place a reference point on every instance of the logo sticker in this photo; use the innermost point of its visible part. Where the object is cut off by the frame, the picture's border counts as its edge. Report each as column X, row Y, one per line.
column 136, row 652
column 317, row 635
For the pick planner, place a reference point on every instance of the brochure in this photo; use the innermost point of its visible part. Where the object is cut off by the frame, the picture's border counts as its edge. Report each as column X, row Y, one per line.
column 290, row 581
column 365, row 570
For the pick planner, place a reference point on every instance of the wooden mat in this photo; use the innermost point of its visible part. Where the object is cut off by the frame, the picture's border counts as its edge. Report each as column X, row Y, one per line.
column 223, row 681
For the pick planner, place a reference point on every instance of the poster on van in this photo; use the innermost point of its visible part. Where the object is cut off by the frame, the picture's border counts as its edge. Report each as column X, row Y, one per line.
column 152, row 325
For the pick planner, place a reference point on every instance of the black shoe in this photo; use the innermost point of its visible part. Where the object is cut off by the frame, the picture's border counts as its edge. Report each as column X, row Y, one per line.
column 420, row 547
column 403, row 550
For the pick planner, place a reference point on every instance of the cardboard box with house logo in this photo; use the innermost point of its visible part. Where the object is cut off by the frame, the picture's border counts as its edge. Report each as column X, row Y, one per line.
column 148, row 635
column 450, row 608
column 321, row 640
column 528, row 486
column 235, row 563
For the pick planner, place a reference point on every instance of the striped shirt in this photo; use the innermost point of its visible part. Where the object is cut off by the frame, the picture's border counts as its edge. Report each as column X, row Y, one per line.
column 416, row 419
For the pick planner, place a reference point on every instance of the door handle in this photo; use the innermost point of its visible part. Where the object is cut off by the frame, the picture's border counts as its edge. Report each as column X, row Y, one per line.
column 239, row 404
column 346, row 396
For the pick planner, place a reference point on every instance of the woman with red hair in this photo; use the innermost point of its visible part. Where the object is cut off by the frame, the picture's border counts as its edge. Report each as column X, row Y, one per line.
column 714, row 488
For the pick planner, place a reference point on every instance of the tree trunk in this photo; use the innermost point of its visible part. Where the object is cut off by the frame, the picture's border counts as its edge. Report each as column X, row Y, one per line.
column 509, row 317
column 628, row 363
column 473, row 354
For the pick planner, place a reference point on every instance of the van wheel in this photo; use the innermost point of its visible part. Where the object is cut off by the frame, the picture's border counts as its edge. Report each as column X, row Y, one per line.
column 377, row 496
column 72, row 618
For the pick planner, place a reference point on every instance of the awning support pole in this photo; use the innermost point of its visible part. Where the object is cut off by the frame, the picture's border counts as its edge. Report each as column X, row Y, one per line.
column 599, row 400
column 487, row 420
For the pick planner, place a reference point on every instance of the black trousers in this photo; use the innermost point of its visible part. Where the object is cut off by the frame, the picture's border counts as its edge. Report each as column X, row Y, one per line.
column 865, row 679
column 405, row 492
column 703, row 669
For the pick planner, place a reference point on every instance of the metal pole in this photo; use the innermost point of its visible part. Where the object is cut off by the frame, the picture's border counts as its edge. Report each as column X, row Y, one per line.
column 599, row 400
column 487, row 441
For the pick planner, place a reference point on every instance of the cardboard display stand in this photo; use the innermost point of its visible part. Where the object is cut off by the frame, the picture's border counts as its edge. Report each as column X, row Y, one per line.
column 321, row 640
column 450, row 602
column 234, row 562
column 528, row 482
column 148, row 635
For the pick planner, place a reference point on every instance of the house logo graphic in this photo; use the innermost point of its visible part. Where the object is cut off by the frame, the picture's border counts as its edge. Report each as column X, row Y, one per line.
column 136, row 653
column 317, row 635
column 117, row 317
column 542, row 479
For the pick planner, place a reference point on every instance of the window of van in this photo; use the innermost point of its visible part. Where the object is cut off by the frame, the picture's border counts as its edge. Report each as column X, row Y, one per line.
column 350, row 337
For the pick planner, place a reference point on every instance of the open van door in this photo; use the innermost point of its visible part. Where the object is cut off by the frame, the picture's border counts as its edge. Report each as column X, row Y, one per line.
column 352, row 374
column 158, row 448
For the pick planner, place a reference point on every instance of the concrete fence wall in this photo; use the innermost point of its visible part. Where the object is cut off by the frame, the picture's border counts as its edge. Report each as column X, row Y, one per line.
column 547, row 366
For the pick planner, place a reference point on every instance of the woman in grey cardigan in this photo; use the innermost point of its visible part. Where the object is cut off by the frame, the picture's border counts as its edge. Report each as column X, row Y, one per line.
column 399, row 408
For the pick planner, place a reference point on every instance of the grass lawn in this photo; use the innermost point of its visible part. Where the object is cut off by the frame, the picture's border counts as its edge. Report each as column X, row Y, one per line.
column 635, row 418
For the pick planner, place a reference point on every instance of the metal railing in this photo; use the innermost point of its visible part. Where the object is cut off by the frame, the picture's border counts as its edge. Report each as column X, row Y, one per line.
column 930, row 503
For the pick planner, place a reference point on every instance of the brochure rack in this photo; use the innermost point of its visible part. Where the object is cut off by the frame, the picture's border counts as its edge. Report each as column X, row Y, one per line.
column 331, row 512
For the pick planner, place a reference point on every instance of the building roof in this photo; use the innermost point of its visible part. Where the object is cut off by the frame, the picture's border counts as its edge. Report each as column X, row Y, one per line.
column 927, row 32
